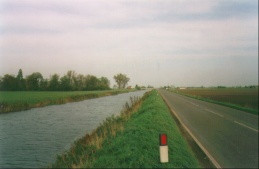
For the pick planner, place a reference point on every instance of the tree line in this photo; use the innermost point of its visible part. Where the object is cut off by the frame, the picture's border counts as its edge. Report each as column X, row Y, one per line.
column 69, row 82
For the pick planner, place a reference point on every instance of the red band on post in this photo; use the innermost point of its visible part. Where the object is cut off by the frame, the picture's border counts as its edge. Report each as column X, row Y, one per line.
column 163, row 139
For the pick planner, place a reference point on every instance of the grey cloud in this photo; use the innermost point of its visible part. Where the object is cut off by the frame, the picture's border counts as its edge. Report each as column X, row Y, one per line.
column 154, row 42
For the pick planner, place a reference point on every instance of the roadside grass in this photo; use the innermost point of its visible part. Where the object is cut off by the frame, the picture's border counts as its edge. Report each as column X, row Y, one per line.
column 131, row 140
column 11, row 101
column 226, row 103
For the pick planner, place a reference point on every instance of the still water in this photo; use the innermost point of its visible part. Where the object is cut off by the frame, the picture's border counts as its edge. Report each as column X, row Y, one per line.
column 34, row 137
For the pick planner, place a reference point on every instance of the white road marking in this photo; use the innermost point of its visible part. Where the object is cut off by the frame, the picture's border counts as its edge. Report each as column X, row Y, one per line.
column 214, row 162
column 214, row 112
column 194, row 104
column 246, row 126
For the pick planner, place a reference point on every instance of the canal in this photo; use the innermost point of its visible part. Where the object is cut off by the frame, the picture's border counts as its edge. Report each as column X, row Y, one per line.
column 33, row 138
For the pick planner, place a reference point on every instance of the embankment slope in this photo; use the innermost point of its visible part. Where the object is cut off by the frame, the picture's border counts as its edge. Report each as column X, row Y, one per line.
column 132, row 141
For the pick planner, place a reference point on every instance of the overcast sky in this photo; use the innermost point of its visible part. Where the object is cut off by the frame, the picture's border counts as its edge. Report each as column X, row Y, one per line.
column 166, row 42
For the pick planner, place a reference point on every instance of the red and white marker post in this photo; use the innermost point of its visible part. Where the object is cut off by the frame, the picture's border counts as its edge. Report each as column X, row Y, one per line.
column 163, row 148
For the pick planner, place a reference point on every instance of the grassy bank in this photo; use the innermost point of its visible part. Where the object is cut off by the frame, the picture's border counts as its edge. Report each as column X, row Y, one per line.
column 18, row 101
column 131, row 140
column 238, row 98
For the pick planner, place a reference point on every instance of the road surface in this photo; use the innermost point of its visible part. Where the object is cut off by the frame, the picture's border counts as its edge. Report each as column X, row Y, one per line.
column 228, row 135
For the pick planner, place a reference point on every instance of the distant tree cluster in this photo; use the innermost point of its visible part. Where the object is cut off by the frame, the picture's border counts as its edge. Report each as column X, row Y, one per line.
column 69, row 82
column 137, row 87
column 121, row 80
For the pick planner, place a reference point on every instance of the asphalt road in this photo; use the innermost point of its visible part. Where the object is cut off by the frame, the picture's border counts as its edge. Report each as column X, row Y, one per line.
column 228, row 135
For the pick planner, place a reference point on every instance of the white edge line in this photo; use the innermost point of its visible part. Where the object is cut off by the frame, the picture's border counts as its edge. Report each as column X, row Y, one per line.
column 195, row 139
column 214, row 112
column 246, row 126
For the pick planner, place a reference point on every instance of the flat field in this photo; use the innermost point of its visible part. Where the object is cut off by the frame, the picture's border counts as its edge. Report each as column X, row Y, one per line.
column 243, row 97
column 23, row 100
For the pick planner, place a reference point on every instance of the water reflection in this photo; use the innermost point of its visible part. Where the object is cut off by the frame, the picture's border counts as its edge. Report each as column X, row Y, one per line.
column 33, row 138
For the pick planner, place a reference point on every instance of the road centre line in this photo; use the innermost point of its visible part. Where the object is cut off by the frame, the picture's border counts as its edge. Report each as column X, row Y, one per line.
column 194, row 104
column 207, row 109
column 246, row 126
column 214, row 162
column 214, row 112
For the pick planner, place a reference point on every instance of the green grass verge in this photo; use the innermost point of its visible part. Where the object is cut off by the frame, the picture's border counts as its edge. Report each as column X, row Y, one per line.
column 23, row 100
column 131, row 140
column 234, row 106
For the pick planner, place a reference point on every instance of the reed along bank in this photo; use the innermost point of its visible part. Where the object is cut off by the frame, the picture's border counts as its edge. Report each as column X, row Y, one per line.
column 131, row 140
